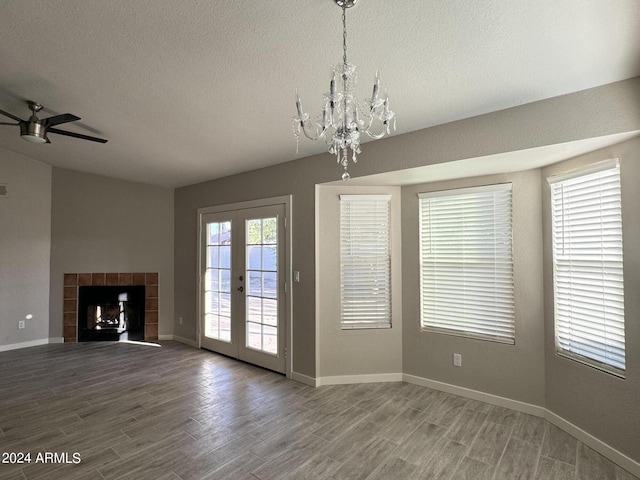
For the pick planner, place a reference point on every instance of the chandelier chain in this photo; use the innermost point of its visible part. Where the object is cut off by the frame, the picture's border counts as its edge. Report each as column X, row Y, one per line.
column 344, row 33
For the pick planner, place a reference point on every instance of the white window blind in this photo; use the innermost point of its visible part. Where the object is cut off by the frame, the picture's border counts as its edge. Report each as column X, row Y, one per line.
column 466, row 263
column 587, row 266
column 365, row 261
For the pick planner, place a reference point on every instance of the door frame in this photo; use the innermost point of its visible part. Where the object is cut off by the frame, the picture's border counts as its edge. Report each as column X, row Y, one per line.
column 285, row 200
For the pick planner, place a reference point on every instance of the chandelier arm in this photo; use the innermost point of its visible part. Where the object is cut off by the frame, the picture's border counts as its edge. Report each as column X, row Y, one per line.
column 377, row 136
column 369, row 122
column 372, row 115
column 310, row 137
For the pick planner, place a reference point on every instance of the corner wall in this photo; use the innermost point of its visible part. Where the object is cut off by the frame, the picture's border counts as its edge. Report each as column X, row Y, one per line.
column 105, row 225
column 25, row 244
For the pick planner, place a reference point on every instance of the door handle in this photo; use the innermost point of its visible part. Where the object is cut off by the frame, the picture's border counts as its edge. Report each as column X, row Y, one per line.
column 241, row 289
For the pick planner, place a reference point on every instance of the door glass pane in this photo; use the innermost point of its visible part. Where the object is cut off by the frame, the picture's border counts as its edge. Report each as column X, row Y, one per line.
column 214, row 234
column 217, row 278
column 269, row 284
column 270, row 339
column 212, row 257
column 211, row 324
column 225, row 256
column 270, row 311
column 254, row 284
column 269, row 258
column 213, row 282
column 262, row 292
column 225, row 329
column 269, row 230
column 225, row 280
column 254, row 232
column 254, row 309
column 254, row 258
column 225, row 305
column 254, row 335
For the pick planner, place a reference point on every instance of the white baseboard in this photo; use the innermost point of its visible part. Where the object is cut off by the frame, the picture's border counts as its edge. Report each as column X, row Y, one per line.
column 306, row 380
column 351, row 379
column 599, row 446
column 56, row 340
column 477, row 395
column 32, row 343
column 177, row 338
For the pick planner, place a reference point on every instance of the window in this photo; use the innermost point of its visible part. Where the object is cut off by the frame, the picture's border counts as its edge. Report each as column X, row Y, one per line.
column 466, row 265
column 365, row 261
column 587, row 266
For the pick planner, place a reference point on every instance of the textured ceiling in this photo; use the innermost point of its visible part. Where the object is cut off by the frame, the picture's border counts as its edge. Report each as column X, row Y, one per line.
column 189, row 90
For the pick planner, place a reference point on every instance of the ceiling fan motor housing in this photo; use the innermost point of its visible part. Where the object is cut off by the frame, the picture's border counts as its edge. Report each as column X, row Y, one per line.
column 32, row 131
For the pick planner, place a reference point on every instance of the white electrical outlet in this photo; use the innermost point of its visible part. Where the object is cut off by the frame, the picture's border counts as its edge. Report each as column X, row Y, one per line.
column 21, row 324
column 180, row 320
column 457, row 360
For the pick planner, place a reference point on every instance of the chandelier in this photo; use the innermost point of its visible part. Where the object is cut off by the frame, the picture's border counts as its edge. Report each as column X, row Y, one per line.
column 343, row 117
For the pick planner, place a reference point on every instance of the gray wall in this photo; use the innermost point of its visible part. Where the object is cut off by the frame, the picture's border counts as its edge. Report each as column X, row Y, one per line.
column 512, row 371
column 25, row 243
column 603, row 405
column 101, row 224
column 295, row 178
column 601, row 111
column 348, row 352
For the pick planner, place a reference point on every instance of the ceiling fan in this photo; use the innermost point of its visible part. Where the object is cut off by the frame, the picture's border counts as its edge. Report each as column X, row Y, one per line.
column 35, row 130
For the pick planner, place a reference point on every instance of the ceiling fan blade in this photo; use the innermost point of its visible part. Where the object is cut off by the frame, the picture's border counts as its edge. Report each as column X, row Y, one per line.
column 76, row 135
column 7, row 114
column 58, row 119
column 5, row 123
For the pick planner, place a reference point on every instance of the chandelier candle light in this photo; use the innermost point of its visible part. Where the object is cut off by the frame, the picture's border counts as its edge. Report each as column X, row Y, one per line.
column 343, row 118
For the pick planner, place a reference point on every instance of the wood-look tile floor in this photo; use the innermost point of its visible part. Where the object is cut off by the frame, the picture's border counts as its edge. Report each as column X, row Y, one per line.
column 178, row 413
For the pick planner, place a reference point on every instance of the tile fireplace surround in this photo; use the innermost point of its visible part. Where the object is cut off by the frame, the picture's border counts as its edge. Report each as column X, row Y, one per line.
column 74, row 280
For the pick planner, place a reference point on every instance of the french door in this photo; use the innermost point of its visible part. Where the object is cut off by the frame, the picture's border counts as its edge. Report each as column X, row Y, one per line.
column 242, row 284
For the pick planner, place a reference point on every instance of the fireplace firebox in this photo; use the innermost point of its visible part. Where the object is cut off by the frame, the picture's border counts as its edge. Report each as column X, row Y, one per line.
column 111, row 313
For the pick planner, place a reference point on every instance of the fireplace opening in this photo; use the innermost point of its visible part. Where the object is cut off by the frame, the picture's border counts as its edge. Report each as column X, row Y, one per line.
column 111, row 313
